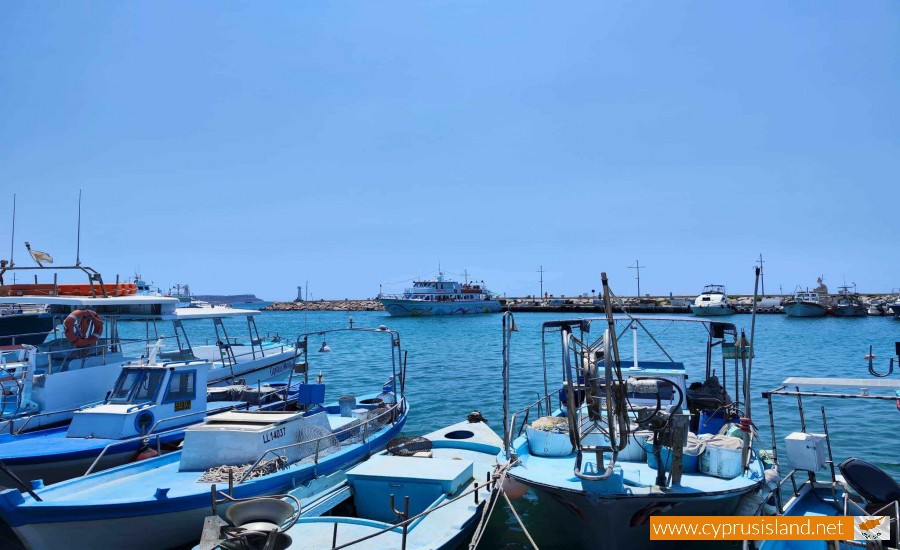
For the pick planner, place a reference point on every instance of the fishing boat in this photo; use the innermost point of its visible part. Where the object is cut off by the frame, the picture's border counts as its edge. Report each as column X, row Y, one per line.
column 149, row 401
column 422, row 493
column 161, row 502
column 440, row 297
column 43, row 385
column 848, row 304
column 815, row 484
column 625, row 439
column 805, row 303
column 712, row 302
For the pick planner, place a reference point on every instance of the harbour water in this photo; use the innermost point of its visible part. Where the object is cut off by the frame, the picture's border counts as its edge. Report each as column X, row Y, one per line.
column 455, row 367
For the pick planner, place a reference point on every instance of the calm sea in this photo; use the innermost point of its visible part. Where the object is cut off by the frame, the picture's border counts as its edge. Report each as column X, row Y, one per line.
column 454, row 366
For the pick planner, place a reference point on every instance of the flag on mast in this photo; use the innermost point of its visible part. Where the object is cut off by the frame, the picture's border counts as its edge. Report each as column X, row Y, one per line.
column 39, row 256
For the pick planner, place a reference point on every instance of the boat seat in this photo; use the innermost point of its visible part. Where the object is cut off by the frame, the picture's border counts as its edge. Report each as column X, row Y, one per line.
column 870, row 481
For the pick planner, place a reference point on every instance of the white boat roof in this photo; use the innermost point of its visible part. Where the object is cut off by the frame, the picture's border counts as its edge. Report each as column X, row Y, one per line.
column 168, row 311
column 89, row 301
column 842, row 382
column 188, row 313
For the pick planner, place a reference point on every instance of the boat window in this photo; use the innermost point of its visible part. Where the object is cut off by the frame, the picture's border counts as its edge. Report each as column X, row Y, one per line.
column 181, row 387
column 124, row 385
column 148, row 386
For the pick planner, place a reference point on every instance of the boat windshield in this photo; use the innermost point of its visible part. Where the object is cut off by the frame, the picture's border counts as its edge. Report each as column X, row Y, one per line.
column 136, row 386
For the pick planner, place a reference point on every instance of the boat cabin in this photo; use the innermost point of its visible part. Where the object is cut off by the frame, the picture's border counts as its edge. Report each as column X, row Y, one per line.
column 146, row 399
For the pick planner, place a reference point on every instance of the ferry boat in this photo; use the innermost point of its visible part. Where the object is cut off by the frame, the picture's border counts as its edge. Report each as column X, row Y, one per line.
column 440, row 297
column 712, row 302
column 625, row 439
column 805, row 303
column 161, row 502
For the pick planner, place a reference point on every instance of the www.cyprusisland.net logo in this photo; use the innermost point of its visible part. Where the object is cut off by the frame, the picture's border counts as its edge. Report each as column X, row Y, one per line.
column 871, row 528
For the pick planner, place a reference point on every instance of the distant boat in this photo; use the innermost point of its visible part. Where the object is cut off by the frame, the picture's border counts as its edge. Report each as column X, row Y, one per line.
column 805, row 303
column 440, row 297
column 712, row 302
column 848, row 304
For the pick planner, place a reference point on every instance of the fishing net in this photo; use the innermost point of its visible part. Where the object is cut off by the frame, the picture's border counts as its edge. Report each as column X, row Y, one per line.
column 315, row 441
column 219, row 474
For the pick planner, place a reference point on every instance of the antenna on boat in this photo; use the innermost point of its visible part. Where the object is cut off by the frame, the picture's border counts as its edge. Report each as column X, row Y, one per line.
column 762, row 280
column 12, row 239
column 78, row 242
column 745, row 448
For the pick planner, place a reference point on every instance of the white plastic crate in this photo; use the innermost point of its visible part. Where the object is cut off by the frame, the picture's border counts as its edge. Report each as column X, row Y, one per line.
column 721, row 462
column 805, row 451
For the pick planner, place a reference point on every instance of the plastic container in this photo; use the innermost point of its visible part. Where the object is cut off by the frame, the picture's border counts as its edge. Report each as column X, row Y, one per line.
column 347, row 403
column 711, row 422
column 721, row 462
column 689, row 463
column 544, row 443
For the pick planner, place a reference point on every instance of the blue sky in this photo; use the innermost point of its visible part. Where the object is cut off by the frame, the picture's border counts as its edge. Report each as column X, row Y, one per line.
column 248, row 147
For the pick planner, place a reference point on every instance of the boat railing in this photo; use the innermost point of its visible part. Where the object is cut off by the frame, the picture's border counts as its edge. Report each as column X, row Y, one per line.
column 390, row 412
column 543, row 407
column 12, row 421
column 158, row 435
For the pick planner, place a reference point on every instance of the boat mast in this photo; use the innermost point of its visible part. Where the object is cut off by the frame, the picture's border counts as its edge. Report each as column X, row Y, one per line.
column 12, row 239
column 78, row 242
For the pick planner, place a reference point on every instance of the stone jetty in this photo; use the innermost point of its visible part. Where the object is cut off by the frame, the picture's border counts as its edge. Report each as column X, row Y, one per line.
column 327, row 305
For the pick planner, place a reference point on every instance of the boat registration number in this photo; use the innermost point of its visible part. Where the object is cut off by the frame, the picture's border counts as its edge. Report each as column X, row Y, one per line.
column 182, row 405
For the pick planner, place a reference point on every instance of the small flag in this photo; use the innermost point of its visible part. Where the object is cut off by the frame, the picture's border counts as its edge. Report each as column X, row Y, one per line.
column 39, row 256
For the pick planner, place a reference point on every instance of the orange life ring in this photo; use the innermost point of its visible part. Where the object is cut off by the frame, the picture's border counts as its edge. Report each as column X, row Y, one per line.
column 83, row 327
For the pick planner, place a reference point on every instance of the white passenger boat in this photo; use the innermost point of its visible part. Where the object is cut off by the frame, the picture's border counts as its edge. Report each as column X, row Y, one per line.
column 440, row 297
column 43, row 385
column 712, row 302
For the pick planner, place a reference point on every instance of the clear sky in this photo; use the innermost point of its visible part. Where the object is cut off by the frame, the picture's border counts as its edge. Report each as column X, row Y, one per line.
column 248, row 147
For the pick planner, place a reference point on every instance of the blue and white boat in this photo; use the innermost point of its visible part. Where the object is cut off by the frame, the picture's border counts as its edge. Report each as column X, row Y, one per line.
column 712, row 302
column 805, row 303
column 815, row 485
column 43, row 385
column 615, row 444
column 421, row 493
column 161, row 502
column 147, row 410
column 440, row 297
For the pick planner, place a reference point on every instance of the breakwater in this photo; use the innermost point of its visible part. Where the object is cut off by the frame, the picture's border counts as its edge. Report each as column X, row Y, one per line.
column 327, row 305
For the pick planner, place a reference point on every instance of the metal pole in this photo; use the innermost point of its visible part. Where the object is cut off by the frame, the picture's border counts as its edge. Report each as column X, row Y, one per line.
column 541, row 271
column 78, row 244
column 12, row 239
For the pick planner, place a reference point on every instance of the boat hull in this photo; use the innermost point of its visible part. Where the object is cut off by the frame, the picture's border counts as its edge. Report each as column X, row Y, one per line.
column 166, row 522
column 856, row 310
column 610, row 522
column 421, row 308
column 716, row 310
column 804, row 309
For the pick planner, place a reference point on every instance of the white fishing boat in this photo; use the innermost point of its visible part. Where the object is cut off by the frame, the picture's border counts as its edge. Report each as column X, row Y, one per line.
column 712, row 302
column 421, row 493
column 440, row 297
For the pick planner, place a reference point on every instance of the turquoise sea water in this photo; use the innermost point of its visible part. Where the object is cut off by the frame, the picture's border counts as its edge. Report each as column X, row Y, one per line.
column 454, row 366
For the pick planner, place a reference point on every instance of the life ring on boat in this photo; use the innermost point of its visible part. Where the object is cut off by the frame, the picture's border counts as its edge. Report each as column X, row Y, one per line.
column 83, row 327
